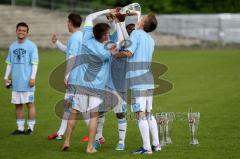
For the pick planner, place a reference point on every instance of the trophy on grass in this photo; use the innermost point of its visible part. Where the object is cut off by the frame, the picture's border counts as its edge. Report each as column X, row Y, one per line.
column 165, row 120
column 193, row 122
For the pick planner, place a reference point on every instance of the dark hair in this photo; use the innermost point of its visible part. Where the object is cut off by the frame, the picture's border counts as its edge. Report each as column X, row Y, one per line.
column 131, row 24
column 75, row 19
column 151, row 23
column 130, row 27
column 99, row 30
column 23, row 24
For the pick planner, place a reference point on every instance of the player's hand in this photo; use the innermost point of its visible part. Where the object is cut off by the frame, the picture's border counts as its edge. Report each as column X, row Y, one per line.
column 65, row 83
column 31, row 82
column 117, row 15
column 7, row 82
column 120, row 17
column 110, row 17
column 114, row 50
column 54, row 38
column 115, row 10
column 113, row 14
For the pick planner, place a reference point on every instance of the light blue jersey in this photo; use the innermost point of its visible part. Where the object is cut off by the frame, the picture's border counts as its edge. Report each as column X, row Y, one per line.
column 94, row 72
column 140, row 62
column 22, row 56
column 114, row 37
column 74, row 47
column 117, row 70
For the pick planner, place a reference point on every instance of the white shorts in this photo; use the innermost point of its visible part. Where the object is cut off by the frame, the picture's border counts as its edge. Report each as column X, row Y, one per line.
column 68, row 96
column 119, row 106
column 22, row 97
column 86, row 103
column 142, row 103
column 70, row 93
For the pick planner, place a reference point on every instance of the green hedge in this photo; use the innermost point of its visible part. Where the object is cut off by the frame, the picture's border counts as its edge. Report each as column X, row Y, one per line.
column 181, row 6
column 157, row 6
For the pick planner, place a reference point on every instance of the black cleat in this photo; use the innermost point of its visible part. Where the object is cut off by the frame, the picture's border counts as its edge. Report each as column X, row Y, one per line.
column 28, row 132
column 18, row 132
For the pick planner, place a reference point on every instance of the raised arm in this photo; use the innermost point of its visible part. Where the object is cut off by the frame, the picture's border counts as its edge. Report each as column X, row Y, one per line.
column 113, row 27
column 88, row 26
column 121, row 34
column 61, row 46
column 58, row 43
column 91, row 17
column 124, row 31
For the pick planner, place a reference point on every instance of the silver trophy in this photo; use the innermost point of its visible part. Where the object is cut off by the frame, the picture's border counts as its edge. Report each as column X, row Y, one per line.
column 133, row 9
column 165, row 120
column 193, row 122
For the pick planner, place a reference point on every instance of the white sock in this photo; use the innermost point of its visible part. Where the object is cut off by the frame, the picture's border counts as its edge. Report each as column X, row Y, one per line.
column 101, row 120
column 20, row 124
column 153, row 129
column 86, row 117
column 87, row 121
column 31, row 124
column 122, row 127
column 144, row 130
column 63, row 126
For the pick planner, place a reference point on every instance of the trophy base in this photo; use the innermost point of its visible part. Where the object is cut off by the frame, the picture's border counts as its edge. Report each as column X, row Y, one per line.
column 163, row 143
column 169, row 140
column 194, row 142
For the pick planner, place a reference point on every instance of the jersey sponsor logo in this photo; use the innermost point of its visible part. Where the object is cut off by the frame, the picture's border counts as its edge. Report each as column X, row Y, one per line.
column 19, row 55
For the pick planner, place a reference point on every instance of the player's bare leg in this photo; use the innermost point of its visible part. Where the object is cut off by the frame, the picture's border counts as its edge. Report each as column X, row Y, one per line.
column 31, row 111
column 19, row 111
column 92, row 129
column 20, row 120
column 86, row 118
column 70, row 126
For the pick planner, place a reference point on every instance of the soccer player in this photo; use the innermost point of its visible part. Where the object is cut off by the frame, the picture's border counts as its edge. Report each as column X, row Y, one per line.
column 140, row 55
column 93, row 77
column 73, row 48
column 116, row 82
column 22, row 63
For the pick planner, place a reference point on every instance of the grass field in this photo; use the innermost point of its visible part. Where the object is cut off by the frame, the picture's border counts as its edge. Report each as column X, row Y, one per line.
column 206, row 80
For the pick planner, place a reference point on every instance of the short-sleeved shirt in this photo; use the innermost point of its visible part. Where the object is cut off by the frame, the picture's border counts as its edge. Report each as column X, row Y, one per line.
column 22, row 56
column 74, row 47
column 94, row 69
column 139, row 73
